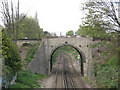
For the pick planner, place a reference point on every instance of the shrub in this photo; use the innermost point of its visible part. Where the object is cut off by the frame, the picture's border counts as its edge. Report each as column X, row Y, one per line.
column 93, row 46
column 31, row 52
column 119, row 49
column 106, row 76
column 26, row 44
column 25, row 79
column 18, row 85
column 113, row 61
column 10, row 53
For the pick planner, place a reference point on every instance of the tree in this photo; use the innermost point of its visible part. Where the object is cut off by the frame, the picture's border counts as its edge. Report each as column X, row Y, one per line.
column 70, row 33
column 46, row 34
column 30, row 28
column 97, row 21
column 11, row 18
column 90, row 31
column 12, row 60
column 104, row 12
column 40, row 30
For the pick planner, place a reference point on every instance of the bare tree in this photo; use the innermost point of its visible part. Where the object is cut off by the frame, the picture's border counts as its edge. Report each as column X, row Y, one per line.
column 11, row 18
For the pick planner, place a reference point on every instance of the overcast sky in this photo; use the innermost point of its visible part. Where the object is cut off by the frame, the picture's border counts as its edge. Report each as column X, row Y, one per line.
column 54, row 15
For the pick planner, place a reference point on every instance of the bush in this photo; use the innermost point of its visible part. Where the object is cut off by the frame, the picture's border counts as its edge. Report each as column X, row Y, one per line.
column 10, row 53
column 31, row 52
column 93, row 46
column 18, row 85
column 119, row 49
column 25, row 79
column 106, row 76
column 113, row 61
column 26, row 44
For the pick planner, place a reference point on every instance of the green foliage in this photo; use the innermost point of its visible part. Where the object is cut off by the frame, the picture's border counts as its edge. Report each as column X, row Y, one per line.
column 70, row 33
column 106, row 76
column 88, row 81
column 30, row 28
column 106, row 70
column 103, row 56
column 93, row 46
column 31, row 52
column 26, row 79
column 76, row 57
column 111, row 45
column 56, row 53
column 46, row 34
column 31, row 81
column 93, row 22
column 18, row 85
column 93, row 55
column 10, row 53
column 26, row 44
column 66, row 49
column 69, row 49
column 119, row 49
column 113, row 61
column 83, row 30
column 91, row 31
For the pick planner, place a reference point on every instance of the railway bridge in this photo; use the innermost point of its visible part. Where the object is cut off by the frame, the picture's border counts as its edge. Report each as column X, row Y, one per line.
column 42, row 61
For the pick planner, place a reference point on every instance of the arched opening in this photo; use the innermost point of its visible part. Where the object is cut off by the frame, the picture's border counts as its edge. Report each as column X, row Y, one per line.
column 82, row 58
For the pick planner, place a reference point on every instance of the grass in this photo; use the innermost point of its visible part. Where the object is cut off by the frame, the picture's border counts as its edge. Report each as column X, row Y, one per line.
column 31, row 52
column 18, row 85
column 88, row 81
column 69, row 51
column 26, row 79
column 106, row 71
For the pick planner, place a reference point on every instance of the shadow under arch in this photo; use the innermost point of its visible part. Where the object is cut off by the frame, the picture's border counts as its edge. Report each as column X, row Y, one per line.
column 76, row 48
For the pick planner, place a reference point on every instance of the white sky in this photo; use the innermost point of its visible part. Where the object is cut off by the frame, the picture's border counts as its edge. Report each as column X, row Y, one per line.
column 54, row 15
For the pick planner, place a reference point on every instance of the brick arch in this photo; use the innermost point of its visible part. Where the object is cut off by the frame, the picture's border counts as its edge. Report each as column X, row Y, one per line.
column 76, row 48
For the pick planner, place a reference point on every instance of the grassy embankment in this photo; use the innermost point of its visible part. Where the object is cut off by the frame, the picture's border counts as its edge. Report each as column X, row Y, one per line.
column 25, row 78
column 32, row 49
column 105, row 56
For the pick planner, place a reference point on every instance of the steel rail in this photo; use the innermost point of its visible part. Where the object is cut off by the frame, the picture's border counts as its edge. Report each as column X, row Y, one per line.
column 58, row 63
column 64, row 76
column 70, row 77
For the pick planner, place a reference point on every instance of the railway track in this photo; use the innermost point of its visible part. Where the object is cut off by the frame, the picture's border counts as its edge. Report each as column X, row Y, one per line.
column 57, row 72
column 70, row 81
column 64, row 73
column 77, row 75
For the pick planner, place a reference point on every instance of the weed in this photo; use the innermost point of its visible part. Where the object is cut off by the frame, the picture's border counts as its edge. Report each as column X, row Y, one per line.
column 26, row 79
column 31, row 52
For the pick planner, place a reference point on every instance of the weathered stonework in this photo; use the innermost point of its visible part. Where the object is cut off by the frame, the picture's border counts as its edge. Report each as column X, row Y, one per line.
column 41, row 61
